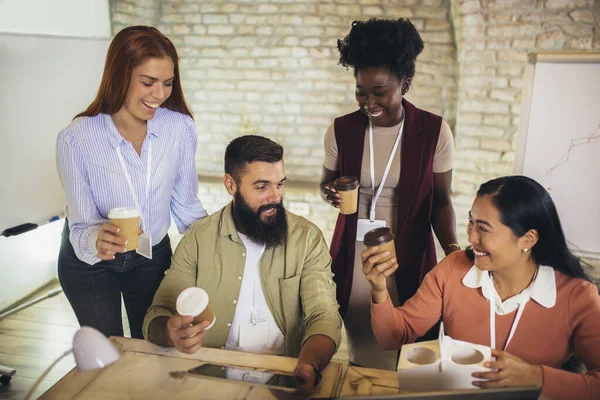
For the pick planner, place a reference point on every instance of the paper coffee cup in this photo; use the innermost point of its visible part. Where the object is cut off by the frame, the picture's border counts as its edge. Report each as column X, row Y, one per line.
column 347, row 187
column 193, row 301
column 384, row 239
column 128, row 221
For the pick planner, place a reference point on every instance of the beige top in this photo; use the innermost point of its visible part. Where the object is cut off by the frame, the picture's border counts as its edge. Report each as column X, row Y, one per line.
column 362, row 346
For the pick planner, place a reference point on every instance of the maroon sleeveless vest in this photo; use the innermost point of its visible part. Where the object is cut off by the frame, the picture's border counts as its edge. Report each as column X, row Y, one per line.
column 415, row 250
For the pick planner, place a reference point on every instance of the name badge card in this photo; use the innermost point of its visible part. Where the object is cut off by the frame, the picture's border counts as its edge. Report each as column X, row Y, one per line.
column 365, row 225
column 145, row 245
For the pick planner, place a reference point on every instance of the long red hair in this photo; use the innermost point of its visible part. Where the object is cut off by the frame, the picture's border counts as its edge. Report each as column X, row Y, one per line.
column 128, row 49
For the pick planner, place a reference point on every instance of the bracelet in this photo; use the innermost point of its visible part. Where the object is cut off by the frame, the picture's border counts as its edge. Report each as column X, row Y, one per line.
column 452, row 245
column 318, row 375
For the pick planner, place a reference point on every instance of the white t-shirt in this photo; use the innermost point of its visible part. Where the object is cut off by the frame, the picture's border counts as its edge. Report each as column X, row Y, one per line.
column 252, row 308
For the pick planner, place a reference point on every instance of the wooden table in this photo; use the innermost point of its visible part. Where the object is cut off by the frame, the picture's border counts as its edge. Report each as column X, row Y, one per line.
column 144, row 372
column 368, row 381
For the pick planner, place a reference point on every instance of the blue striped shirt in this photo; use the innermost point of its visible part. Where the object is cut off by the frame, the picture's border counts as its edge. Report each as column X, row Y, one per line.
column 94, row 182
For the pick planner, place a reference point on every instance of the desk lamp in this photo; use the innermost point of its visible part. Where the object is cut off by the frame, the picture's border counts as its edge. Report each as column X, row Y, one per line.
column 91, row 350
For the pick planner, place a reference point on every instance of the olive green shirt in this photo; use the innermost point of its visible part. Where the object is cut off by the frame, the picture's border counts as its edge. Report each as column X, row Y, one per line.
column 296, row 280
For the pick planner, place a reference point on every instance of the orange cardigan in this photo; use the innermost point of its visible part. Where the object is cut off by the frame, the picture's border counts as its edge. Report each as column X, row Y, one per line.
column 544, row 336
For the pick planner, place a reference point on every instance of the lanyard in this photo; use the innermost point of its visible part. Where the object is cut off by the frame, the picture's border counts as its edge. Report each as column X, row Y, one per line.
column 493, row 317
column 387, row 167
column 130, row 183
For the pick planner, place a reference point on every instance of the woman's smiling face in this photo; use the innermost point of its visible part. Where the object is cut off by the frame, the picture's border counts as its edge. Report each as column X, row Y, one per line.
column 379, row 95
column 495, row 245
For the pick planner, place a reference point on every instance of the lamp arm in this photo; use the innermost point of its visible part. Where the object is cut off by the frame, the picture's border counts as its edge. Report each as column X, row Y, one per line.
column 37, row 382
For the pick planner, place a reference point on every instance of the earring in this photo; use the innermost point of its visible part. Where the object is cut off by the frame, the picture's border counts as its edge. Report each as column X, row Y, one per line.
column 525, row 250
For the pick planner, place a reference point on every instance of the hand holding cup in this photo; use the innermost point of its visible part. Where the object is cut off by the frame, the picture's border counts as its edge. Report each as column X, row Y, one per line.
column 109, row 242
column 346, row 187
column 379, row 261
column 184, row 335
column 121, row 234
column 332, row 195
column 195, row 316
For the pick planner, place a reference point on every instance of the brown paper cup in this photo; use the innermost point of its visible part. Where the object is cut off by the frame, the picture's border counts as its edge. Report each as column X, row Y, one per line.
column 347, row 187
column 128, row 221
column 384, row 239
column 206, row 315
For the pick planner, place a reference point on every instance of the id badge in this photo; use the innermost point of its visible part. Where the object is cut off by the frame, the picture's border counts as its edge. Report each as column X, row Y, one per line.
column 254, row 337
column 145, row 245
column 365, row 225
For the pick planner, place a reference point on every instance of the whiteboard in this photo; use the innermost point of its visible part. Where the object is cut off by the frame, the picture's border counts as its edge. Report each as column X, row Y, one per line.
column 560, row 141
column 44, row 82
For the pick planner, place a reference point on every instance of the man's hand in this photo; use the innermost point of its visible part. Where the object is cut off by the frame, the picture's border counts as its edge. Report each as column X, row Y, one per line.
column 509, row 371
column 304, row 375
column 187, row 338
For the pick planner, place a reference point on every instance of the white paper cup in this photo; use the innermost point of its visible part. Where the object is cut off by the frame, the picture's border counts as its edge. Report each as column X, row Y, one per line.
column 194, row 302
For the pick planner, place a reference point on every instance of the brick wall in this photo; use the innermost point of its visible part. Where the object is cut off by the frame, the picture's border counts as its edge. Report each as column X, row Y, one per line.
column 270, row 67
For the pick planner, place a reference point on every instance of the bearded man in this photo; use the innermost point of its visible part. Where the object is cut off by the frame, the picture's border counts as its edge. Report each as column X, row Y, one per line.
column 267, row 272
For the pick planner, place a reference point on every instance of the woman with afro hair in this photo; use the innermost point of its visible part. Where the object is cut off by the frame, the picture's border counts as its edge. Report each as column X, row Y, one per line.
column 402, row 157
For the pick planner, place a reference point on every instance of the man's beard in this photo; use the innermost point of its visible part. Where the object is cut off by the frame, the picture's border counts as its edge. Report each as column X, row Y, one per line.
column 271, row 233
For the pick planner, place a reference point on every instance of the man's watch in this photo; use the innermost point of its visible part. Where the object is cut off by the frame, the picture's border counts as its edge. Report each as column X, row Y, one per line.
column 318, row 375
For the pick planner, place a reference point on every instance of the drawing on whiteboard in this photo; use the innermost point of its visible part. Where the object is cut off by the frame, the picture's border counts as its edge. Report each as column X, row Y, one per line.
column 591, row 138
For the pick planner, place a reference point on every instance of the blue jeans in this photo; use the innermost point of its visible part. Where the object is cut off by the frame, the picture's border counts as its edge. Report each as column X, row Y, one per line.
column 94, row 291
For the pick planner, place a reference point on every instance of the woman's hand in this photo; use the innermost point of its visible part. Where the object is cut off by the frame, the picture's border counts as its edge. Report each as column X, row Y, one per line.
column 330, row 194
column 377, row 272
column 109, row 242
column 509, row 371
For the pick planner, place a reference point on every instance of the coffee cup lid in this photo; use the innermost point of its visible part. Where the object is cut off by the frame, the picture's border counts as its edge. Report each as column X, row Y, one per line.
column 192, row 301
column 346, row 183
column 123, row 212
column 378, row 236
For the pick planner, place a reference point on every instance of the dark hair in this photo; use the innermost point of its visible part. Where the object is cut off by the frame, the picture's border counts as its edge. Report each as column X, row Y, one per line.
column 524, row 204
column 128, row 49
column 249, row 148
column 394, row 44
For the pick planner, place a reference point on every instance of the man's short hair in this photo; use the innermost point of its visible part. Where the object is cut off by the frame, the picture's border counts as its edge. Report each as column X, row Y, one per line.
column 249, row 148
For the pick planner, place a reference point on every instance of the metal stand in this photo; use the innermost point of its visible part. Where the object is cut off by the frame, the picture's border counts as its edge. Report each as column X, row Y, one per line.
column 6, row 374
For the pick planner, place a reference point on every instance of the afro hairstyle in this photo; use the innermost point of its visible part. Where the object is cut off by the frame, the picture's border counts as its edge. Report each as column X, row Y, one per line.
column 394, row 44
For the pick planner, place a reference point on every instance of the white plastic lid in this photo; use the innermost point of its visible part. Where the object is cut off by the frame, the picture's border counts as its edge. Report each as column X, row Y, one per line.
column 123, row 212
column 192, row 301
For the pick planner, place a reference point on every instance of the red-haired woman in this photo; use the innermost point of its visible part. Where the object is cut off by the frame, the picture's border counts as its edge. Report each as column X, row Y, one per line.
column 134, row 146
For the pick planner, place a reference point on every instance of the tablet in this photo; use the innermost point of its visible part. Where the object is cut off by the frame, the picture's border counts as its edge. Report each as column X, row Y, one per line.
column 247, row 375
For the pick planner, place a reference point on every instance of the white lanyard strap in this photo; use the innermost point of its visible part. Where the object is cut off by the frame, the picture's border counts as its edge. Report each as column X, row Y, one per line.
column 387, row 167
column 130, row 183
column 493, row 318
column 516, row 322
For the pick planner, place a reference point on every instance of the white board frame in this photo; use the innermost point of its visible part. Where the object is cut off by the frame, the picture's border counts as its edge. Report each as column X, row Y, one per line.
column 526, row 103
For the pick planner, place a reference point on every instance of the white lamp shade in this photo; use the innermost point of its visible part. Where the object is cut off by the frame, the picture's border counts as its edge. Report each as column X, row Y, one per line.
column 92, row 349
